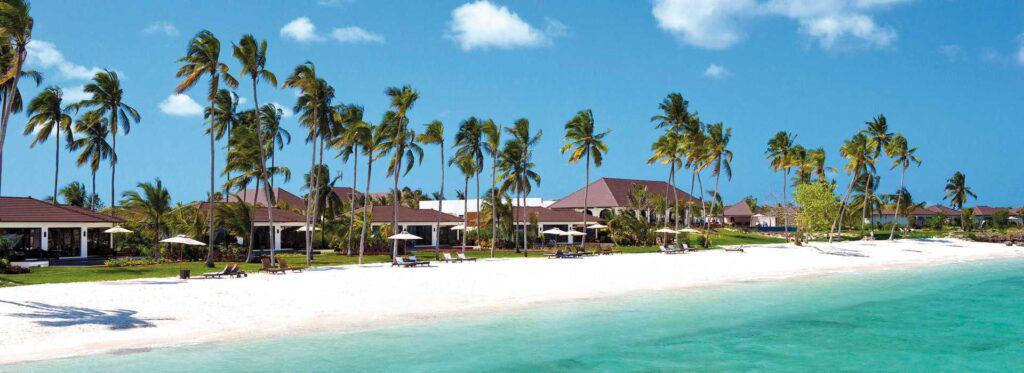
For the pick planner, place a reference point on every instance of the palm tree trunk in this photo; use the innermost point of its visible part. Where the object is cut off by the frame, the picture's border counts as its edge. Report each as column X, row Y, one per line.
column 494, row 197
column 693, row 177
column 394, row 208
column 251, row 242
column 864, row 205
column 899, row 199
column 440, row 200
column 3, row 133
column 586, row 196
column 465, row 213
column 675, row 198
column 271, row 229
column 92, row 197
column 522, row 206
column 323, row 236
column 703, row 206
column 56, row 163
column 785, row 196
column 367, row 205
column 311, row 201
column 209, row 245
column 352, row 200
column 5, row 114
column 842, row 209
column 478, row 212
column 113, row 171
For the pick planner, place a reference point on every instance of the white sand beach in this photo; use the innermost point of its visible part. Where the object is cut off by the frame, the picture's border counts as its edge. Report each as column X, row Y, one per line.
column 60, row 320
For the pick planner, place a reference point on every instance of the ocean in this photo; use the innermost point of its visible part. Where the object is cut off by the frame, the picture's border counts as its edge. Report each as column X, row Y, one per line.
column 957, row 317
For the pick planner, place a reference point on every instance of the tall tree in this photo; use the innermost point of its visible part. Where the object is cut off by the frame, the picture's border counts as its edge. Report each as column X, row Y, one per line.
column 48, row 116
column 670, row 149
column 468, row 167
column 252, row 56
column 878, row 131
column 492, row 146
column 153, row 202
column 405, row 152
column 16, row 28
column 857, row 152
column 348, row 147
column 719, row 155
column 278, row 136
column 957, row 192
column 902, row 156
column 469, row 140
column 582, row 141
column 106, row 97
column 780, row 152
column 522, row 166
column 367, row 137
column 93, row 146
column 402, row 100
column 433, row 134
column 202, row 58
column 224, row 118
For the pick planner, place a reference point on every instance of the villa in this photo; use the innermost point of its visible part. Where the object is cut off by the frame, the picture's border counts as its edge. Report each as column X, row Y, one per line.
column 280, row 195
column 613, row 194
column 547, row 218
column 422, row 223
column 44, row 231
column 460, row 207
column 286, row 223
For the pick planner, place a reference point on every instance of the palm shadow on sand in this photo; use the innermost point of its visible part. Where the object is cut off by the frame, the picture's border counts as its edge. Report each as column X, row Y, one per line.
column 61, row 316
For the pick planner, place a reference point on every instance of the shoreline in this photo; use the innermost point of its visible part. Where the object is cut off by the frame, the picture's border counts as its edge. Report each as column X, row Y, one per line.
column 43, row 322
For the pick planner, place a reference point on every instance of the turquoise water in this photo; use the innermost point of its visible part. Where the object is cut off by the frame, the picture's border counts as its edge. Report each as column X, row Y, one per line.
column 963, row 317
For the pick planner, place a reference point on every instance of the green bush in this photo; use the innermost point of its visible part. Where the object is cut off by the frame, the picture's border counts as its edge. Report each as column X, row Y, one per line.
column 936, row 222
column 8, row 269
column 818, row 205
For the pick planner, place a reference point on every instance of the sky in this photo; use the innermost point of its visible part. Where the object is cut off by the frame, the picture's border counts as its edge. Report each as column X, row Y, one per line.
column 946, row 73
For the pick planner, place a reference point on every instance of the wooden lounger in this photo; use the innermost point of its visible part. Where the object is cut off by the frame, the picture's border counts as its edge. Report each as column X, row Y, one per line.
column 734, row 249
column 447, row 258
column 271, row 269
column 417, row 263
column 227, row 271
column 284, row 266
column 462, row 257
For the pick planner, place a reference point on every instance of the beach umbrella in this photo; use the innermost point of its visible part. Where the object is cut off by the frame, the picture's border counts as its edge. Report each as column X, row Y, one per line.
column 666, row 230
column 554, row 231
column 183, row 240
column 306, row 228
column 573, row 233
column 595, row 227
column 404, row 236
column 688, row 230
column 459, row 227
column 117, row 229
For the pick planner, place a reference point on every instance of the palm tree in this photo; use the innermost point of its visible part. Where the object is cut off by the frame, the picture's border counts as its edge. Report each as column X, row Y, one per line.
column 491, row 146
column 404, row 150
column 468, row 167
column 367, row 137
column 582, row 141
column 47, row 117
column 675, row 113
column 522, row 141
column 350, row 117
column 957, row 192
column 203, row 58
column 719, row 154
column 669, row 149
column 152, row 203
column 402, row 100
column 469, row 140
column 433, row 134
column 780, row 152
column 878, row 131
column 857, row 151
column 816, row 162
column 16, row 26
column 223, row 117
column 277, row 135
column 74, row 194
column 253, row 58
column 902, row 156
column 94, row 146
column 107, row 98
column 236, row 218
column 314, row 105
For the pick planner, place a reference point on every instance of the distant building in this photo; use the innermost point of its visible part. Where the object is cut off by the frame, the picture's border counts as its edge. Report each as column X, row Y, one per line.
column 613, row 194
column 42, row 231
column 419, row 222
column 286, row 224
column 459, row 207
column 546, row 219
column 280, row 195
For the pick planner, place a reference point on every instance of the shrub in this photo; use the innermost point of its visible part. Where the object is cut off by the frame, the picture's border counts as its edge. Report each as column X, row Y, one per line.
column 817, row 204
column 7, row 268
column 936, row 222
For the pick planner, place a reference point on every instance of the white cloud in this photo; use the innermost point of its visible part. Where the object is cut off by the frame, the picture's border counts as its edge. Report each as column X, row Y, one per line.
column 482, row 25
column 74, row 94
column 45, row 55
column 180, row 105
column 285, row 112
column 161, row 27
column 718, row 24
column 333, row 3
column 301, row 29
column 716, row 72
column 354, row 34
column 951, row 51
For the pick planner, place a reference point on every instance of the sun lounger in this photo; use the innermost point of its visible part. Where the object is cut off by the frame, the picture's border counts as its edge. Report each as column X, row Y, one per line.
column 400, row 262
column 412, row 258
column 227, row 271
column 447, row 258
column 669, row 250
column 238, row 272
column 686, row 248
column 271, row 269
column 462, row 257
column 734, row 249
column 284, row 265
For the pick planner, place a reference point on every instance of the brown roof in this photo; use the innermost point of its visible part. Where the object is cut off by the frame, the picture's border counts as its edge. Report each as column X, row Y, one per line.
column 383, row 214
column 739, row 209
column 918, row 211
column 345, row 193
column 611, row 192
column 30, row 210
column 943, row 210
column 280, row 195
column 989, row 210
column 280, row 216
column 545, row 215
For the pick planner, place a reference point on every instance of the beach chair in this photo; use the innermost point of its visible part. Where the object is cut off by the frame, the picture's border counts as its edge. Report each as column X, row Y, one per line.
column 238, row 272
column 447, row 258
column 734, row 249
column 462, row 257
column 668, row 250
column 269, row 268
column 400, row 262
column 686, row 248
column 416, row 263
column 228, row 269
column 284, row 266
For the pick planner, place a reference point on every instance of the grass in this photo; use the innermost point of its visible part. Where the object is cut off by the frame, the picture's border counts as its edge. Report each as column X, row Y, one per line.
column 64, row 274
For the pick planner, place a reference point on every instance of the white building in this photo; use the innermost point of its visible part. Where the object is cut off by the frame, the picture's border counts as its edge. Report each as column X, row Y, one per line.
column 459, row 207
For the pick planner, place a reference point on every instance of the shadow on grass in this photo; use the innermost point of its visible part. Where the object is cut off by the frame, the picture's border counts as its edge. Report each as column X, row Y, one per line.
column 62, row 316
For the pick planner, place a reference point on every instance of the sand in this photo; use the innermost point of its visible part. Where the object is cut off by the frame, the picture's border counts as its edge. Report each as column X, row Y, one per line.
column 62, row 320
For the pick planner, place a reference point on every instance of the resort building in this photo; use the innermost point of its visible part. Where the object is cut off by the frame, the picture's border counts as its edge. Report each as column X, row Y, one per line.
column 43, row 231
column 286, row 223
column 547, row 218
column 918, row 217
column 613, row 194
column 741, row 215
column 459, row 207
column 422, row 223
column 280, row 195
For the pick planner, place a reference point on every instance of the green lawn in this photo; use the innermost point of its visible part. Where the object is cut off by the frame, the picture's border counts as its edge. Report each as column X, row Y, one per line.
column 61, row 274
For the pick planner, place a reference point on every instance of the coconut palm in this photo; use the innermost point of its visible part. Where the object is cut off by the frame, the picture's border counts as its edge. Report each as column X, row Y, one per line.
column 957, row 192
column 107, row 99
column 73, row 194
column 780, row 152
column 203, row 59
column 152, row 201
column 675, row 113
column 582, row 141
column 857, row 151
column 521, row 167
column 367, row 137
column 223, row 117
column 468, row 167
column 48, row 116
column 902, row 156
column 405, row 153
column 469, row 140
column 491, row 146
column 277, row 135
column 720, row 157
column 878, row 131
column 401, row 101
column 93, row 146
column 433, row 134
column 16, row 27
column 348, row 147
column 670, row 149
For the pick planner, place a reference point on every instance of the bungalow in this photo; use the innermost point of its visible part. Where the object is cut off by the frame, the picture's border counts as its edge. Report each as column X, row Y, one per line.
column 739, row 214
column 549, row 218
column 280, row 195
column 42, row 231
column 983, row 214
column 422, row 223
column 286, row 234
column 918, row 217
column 613, row 194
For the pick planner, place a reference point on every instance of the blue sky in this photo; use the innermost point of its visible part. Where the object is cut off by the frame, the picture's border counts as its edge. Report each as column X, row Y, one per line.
column 947, row 74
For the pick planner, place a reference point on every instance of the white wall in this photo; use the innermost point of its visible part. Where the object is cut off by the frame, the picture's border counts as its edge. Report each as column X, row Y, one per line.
column 455, row 206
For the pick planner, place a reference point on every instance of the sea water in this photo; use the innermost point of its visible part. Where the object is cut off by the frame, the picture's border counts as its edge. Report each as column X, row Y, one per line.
column 957, row 317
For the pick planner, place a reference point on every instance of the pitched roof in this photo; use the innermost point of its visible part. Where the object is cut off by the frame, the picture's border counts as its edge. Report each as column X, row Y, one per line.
column 545, row 215
column 30, row 210
column 260, row 214
column 918, row 211
column 989, row 210
column 739, row 209
column 610, row 192
column 383, row 214
column 280, row 195
column 939, row 209
column 345, row 193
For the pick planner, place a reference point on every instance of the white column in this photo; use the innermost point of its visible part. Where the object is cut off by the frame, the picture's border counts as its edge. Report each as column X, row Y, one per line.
column 44, row 240
column 433, row 235
column 85, row 241
column 277, row 237
column 571, row 237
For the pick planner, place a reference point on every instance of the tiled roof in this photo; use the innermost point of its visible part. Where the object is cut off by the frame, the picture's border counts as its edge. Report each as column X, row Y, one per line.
column 546, row 215
column 345, row 193
column 610, row 192
column 989, row 210
column 383, row 214
column 739, row 209
column 261, row 197
column 918, row 211
column 29, row 210
column 280, row 216
column 943, row 210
